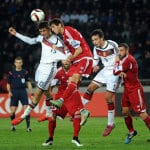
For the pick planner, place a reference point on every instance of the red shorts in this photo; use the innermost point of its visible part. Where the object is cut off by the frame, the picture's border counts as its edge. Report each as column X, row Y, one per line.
column 134, row 99
column 70, row 105
column 83, row 67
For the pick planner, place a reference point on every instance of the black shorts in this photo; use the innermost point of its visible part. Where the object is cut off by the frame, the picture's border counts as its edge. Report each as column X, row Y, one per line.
column 19, row 95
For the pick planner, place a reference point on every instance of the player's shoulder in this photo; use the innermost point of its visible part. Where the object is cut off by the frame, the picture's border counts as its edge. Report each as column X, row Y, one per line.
column 112, row 42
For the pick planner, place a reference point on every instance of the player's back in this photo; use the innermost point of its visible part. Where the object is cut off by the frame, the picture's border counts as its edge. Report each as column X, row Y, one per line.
column 73, row 39
column 52, row 50
column 131, row 70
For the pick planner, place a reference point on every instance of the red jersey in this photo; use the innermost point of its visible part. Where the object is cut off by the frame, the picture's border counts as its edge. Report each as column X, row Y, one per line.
column 62, row 78
column 73, row 39
column 129, row 66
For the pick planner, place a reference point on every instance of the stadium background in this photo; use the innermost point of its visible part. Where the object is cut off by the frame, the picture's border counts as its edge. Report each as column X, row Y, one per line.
column 122, row 21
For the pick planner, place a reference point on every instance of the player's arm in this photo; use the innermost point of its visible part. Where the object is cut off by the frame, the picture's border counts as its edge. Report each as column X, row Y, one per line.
column 9, row 89
column 29, row 86
column 96, row 60
column 24, row 38
column 121, row 68
column 8, row 86
column 77, row 52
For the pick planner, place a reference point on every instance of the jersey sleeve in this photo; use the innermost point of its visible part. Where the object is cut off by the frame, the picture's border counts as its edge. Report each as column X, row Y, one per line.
column 123, row 66
column 29, row 40
column 75, row 37
column 27, row 76
column 95, row 57
column 9, row 77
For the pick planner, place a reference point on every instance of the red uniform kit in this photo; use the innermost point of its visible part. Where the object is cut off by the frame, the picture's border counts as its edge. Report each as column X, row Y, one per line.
column 133, row 95
column 82, row 64
column 72, row 103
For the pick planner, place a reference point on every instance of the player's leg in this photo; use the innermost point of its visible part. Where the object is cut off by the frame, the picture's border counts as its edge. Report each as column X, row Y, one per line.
column 126, row 106
column 143, row 114
column 51, row 130
column 13, row 108
column 111, row 112
column 48, row 98
column 27, row 120
column 12, row 116
column 112, row 84
column 36, row 98
column 129, row 124
column 87, row 96
column 76, row 71
column 76, row 127
column 72, row 86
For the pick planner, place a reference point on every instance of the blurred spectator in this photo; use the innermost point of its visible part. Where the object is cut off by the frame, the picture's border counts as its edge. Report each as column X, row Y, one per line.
column 122, row 21
column 3, row 84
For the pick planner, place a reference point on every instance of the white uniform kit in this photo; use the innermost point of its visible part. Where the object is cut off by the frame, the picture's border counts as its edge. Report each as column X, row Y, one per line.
column 107, row 54
column 51, row 53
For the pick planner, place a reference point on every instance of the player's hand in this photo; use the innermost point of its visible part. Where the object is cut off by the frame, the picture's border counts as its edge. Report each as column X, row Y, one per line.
column 95, row 68
column 10, row 94
column 12, row 31
column 123, row 75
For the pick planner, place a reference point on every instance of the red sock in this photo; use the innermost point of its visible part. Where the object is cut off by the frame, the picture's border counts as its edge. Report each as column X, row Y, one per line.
column 129, row 123
column 87, row 95
column 68, row 92
column 111, row 106
column 147, row 122
column 51, row 128
column 76, row 126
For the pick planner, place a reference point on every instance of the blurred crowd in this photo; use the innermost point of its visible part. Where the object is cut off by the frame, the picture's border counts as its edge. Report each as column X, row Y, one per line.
column 121, row 20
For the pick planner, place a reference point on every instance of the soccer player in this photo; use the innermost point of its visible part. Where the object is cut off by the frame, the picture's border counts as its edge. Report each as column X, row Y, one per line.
column 133, row 96
column 51, row 53
column 73, row 107
column 81, row 58
column 106, row 51
column 17, row 80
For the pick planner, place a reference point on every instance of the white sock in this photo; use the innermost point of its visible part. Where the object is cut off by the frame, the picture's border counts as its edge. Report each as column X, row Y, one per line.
column 26, row 112
column 48, row 111
column 84, row 101
column 111, row 114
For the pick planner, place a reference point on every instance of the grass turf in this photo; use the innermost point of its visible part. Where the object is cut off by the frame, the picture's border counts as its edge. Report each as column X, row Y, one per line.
column 90, row 136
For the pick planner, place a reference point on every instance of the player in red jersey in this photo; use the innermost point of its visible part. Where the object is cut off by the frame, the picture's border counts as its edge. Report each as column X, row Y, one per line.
column 133, row 96
column 71, row 106
column 81, row 59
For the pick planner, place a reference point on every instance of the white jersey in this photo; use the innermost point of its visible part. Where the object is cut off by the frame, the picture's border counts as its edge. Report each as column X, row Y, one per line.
column 49, row 51
column 107, row 54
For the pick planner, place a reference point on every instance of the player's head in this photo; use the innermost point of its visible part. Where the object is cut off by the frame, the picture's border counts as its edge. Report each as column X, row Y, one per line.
column 18, row 62
column 44, row 29
column 56, row 26
column 65, row 64
column 123, row 50
column 97, row 37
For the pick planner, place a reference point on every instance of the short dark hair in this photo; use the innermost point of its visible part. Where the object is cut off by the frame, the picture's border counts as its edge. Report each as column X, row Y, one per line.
column 56, row 21
column 43, row 24
column 98, row 32
column 125, row 45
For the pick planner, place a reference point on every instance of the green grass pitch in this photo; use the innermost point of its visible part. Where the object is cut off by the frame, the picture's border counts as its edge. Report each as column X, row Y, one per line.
column 90, row 136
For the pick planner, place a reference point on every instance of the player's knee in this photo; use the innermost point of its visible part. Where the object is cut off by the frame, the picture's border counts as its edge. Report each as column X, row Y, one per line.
column 125, row 113
column 77, row 114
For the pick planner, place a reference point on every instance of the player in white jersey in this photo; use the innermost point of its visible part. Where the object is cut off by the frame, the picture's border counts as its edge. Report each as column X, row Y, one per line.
column 52, row 47
column 106, row 51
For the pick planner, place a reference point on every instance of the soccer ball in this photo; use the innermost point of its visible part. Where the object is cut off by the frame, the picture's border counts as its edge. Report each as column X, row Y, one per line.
column 37, row 15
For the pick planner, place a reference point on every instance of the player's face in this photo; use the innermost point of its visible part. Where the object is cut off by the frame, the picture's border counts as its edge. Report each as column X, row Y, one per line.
column 122, row 52
column 97, row 41
column 65, row 64
column 45, row 32
column 56, row 28
column 18, row 64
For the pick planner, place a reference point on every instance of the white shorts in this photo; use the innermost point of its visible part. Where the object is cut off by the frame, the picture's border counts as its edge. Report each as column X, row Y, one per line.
column 106, row 76
column 44, row 74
